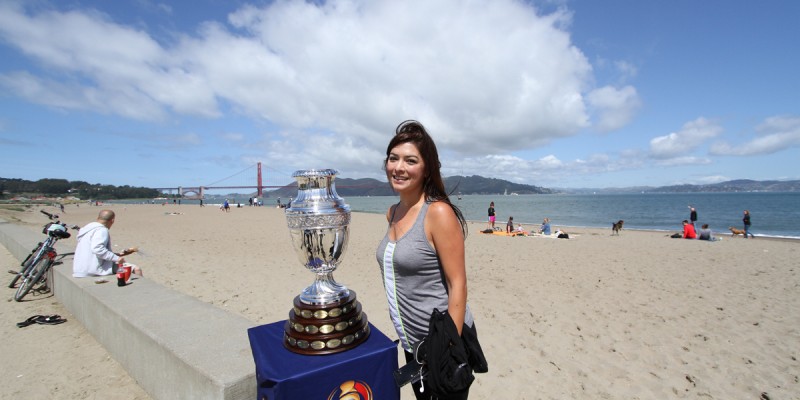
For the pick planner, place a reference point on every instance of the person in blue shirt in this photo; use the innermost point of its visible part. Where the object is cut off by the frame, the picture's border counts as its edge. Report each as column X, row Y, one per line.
column 545, row 228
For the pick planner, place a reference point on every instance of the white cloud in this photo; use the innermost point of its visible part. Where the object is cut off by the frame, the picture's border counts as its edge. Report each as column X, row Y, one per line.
column 683, row 161
column 773, row 135
column 548, row 170
column 712, row 179
column 549, row 162
column 298, row 150
column 616, row 107
column 484, row 78
column 677, row 145
column 91, row 63
column 626, row 69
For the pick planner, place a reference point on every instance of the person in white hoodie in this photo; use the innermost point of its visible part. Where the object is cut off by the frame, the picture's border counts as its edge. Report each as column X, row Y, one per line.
column 93, row 255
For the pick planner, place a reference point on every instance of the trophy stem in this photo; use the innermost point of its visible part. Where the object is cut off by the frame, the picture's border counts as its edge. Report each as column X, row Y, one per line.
column 324, row 290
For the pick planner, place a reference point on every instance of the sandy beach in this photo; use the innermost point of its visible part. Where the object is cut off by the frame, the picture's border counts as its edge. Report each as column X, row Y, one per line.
column 54, row 361
column 634, row 316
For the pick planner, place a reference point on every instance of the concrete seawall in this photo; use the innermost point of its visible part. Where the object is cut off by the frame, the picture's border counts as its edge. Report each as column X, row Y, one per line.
column 173, row 345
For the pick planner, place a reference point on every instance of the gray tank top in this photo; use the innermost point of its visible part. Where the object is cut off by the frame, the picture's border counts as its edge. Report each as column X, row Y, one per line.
column 414, row 281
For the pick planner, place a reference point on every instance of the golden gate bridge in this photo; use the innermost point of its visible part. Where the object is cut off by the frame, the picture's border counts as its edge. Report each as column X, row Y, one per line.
column 198, row 192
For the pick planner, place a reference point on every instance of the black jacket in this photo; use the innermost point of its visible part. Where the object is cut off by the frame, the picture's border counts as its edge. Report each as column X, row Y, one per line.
column 451, row 358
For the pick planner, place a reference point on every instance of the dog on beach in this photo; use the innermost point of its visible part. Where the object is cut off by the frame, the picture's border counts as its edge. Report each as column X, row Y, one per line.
column 735, row 232
column 616, row 227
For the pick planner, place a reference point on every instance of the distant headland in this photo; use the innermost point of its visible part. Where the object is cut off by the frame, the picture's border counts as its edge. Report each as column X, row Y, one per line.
column 11, row 188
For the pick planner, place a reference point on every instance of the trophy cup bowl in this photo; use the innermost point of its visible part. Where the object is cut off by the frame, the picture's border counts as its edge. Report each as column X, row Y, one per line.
column 326, row 317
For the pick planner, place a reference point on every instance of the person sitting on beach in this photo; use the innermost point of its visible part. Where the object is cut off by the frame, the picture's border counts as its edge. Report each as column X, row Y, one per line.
column 93, row 255
column 688, row 230
column 705, row 233
column 510, row 225
column 545, row 228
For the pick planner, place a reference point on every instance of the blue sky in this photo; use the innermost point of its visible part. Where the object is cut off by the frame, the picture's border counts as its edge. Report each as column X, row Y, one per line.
column 551, row 93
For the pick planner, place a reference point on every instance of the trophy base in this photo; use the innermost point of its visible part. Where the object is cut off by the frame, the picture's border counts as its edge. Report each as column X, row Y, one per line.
column 318, row 329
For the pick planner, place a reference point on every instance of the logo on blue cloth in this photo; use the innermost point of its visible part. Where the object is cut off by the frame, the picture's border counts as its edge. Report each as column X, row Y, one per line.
column 352, row 390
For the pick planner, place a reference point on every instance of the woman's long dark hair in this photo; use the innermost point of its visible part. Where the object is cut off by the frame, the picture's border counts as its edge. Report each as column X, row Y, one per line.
column 411, row 131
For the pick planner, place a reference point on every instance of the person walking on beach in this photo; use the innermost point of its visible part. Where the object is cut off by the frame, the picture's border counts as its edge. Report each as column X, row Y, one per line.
column 491, row 216
column 693, row 216
column 422, row 257
column 93, row 255
column 746, row 221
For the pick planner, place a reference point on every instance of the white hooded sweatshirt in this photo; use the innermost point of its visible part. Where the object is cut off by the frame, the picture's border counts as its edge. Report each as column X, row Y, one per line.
column 93, row 255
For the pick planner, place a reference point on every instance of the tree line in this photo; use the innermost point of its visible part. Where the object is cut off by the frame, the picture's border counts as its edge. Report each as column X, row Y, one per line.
column 62, row 188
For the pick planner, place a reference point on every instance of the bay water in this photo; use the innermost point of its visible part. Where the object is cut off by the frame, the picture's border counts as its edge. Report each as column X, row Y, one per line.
column 772, row 214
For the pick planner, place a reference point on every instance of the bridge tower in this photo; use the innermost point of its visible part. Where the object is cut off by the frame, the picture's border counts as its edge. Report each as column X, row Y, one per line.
column 260, row 185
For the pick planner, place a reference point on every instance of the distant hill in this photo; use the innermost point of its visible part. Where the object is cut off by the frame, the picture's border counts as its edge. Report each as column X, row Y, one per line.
column 53, row 187
column 479, row 185
column 738, row 185
column 454, row 184
column 344, row 187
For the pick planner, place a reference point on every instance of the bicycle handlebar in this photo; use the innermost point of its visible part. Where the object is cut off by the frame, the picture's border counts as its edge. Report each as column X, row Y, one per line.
column 51, row 216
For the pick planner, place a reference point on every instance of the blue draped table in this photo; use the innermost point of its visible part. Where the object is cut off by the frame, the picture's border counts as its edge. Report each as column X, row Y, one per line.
column 283, row 375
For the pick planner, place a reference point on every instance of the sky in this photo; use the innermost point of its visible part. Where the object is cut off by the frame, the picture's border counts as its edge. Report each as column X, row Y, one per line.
column 553, row 93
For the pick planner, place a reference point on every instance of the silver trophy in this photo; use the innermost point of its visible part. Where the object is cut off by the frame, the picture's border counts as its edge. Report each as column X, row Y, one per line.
column 326, row 318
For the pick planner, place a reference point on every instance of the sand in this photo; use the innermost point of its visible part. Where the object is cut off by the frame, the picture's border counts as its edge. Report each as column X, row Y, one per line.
column 54, row 361
column 634, row 316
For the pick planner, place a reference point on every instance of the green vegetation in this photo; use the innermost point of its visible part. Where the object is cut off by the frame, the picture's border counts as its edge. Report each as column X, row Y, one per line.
column 14, row 207
column 10, row 188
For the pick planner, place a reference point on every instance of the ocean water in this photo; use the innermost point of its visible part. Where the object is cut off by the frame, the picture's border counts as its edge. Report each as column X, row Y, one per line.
column 772, row 214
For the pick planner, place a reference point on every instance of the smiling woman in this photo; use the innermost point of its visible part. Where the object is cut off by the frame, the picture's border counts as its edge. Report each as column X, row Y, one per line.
column 422, row 254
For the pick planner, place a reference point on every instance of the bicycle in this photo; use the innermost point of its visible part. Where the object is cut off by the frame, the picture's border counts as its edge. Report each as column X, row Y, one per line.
column 32, row 257
column 41, row 258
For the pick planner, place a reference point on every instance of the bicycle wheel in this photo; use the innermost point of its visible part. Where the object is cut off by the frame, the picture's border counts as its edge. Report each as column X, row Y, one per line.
column 38, row 270
column 26, row 265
